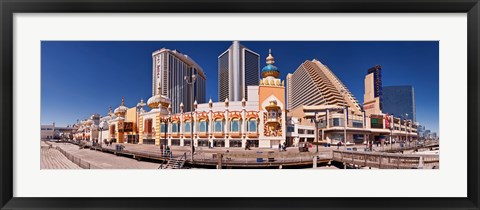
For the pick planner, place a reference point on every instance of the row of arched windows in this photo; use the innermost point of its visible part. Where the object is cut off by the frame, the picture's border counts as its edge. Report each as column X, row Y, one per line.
column 218, row 126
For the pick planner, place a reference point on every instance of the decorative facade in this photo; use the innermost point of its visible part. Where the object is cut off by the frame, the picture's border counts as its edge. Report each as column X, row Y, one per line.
column 256, row 122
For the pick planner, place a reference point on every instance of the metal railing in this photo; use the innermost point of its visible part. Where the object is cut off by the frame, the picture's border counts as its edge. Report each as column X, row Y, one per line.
column 385, row 160
column 259, row 157
column 78, row 161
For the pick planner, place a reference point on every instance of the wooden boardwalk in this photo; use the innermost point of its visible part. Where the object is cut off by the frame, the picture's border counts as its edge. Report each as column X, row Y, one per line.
column 386, row 160
column 270, row 159
column 54, row 159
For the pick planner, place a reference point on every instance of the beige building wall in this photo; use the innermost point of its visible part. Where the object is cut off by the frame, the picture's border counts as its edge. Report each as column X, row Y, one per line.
column 315, row 84
column 371, row 104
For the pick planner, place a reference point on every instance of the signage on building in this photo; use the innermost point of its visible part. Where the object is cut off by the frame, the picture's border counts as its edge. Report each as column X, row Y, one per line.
column 368, row 107
column 125, row 127
column 376, row 121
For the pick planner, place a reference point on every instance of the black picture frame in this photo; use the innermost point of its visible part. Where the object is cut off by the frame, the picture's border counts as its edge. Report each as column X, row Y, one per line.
column 10, row 7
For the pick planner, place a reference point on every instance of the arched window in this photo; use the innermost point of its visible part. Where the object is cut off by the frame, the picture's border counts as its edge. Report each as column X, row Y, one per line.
column 186, row 127
column 203, row 126
column 174, row 127
column 218, row 126
column 252, row 125
column 234, row 125
column 147, row 126
column 112, row 129
column 162, row 128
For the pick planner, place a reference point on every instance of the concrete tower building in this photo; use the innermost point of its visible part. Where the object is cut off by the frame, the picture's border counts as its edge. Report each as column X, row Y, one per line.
column 315, row 84
column 372, row 99
column 169, row 69
column 238, row 67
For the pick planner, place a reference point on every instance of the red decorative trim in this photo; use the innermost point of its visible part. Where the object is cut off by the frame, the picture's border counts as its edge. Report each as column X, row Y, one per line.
column 237, row 115
column 218, row 115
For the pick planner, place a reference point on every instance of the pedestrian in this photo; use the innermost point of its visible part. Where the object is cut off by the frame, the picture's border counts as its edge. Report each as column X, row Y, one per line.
column 279, row 147
column 338, row 144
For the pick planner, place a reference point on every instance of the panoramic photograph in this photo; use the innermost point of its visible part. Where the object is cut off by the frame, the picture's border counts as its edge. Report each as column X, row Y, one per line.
column 239, row 105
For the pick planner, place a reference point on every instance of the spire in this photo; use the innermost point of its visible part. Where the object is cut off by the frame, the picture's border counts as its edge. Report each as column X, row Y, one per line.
column 270, row 59
column 270, row 70
column 123, row 101
column 109, row 110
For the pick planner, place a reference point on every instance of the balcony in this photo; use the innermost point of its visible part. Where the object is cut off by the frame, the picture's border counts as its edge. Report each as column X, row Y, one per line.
column 203, row 134
column 219, row 134
column 175, row 135
column 235, row 134
column 272, row 120
column 252, row 134
column 148, row 136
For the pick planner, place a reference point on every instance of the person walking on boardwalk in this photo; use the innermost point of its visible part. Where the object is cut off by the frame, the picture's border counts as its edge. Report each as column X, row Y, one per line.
column 279, row 147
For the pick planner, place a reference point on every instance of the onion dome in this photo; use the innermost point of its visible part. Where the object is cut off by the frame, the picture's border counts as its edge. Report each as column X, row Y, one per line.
column 181, row 106
column 141, row 104
column 110, row 113
column 226, row 102
column 158, row 100
column 195, row 104
column 122, row 108
column 270, row 69
column 89, row 122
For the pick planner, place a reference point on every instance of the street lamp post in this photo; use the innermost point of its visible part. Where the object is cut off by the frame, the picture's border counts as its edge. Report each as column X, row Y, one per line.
column 406, row 134
column 101, row 126
column 140, row 106
column 345, row 126
column 316, row 121
column 166, row 126
column 191, row 81
column 345, row 115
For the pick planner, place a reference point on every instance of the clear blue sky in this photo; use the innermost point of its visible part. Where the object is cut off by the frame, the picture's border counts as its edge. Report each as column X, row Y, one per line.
column 80, row 78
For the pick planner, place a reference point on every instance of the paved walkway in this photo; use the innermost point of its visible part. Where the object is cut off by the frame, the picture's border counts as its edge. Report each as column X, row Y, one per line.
column 105, row 160
column 54, row 159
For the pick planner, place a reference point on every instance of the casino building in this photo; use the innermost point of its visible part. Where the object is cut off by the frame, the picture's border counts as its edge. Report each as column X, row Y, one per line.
column 334, row 115
column 256, row 122
column 321, row 108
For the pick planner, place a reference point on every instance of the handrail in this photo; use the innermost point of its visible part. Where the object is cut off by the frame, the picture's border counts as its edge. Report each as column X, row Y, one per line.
column 385, row 160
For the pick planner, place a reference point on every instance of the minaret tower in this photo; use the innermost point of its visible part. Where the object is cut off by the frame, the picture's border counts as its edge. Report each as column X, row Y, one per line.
column 271, row 97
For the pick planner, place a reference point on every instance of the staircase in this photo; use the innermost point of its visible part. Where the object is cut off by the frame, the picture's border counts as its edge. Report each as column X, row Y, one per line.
column 174, row 163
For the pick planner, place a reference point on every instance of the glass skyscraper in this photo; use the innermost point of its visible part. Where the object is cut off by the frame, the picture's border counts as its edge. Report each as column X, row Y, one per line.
column 238, row 67
column 399, row 101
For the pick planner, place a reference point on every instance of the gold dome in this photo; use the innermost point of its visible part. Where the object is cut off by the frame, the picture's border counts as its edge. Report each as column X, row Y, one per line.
column 158, row 100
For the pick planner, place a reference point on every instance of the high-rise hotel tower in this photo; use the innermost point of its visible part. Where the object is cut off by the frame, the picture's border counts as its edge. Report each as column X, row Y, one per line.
column 169, row 69
column 238, row 67
column 315, row 84
column 372, row 99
